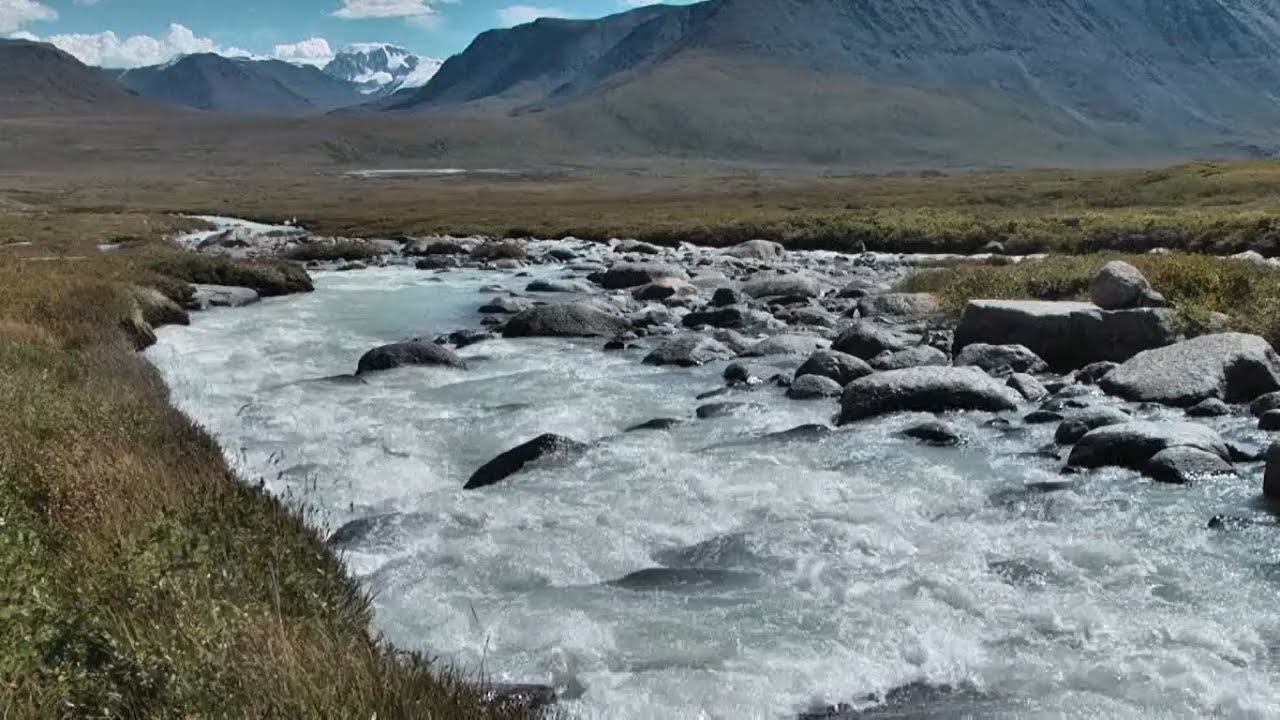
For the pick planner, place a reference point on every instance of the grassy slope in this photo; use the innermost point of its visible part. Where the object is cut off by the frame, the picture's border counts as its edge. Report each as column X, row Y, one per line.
column 1219, row 208
column 141, row 579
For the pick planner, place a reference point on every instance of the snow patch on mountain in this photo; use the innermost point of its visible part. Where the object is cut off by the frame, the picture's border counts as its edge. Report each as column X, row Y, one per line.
column 382, row 69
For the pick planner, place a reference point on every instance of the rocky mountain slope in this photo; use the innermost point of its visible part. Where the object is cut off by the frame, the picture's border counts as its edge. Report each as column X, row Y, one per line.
column 381, row 69
column 242, row 86
column 38, row 79
column 929, row 81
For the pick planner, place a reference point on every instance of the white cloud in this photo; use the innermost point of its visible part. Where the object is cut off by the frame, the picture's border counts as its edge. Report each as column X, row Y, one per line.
column 362, row 9
column 312, row 51
column 16, row 13
column 521, row 14
column 107, row 49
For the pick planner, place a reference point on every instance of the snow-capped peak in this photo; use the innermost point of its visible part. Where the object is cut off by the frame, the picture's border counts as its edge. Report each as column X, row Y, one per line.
column 379, row 68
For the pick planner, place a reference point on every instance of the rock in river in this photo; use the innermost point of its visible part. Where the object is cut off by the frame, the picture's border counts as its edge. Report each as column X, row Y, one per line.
column 513, row 461
column 688, row 351
column 565, row 320
column 813, row 387
column 629, row 275
column 865, row 340
column 1001, row 360
column 841, row 367
column 1233, row 367
column 1066, row 335
column 1183, row 465
column 793, row 285
column 1271, row 482
column 928, row 389
column 917, row 356
column 757, row 250
column 1133, row 444
column 414, row 352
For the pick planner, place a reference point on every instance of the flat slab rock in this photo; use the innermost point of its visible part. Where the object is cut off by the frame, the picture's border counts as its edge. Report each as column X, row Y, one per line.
column 926, row 389
column 564, row 320
column 514, row 460
column 1233, row 367
column 1067, row 335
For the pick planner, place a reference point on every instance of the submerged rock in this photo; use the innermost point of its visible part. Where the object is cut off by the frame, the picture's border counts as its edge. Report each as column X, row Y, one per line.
column 565, row 320
column 513, row 461
column 918, row 700
column 405, row 354
column 655, row 424
column 1233, row 367
column 685, row 580
column 722, row 409
column 1133, row 444
column 933, row 389
column 935, row 432
column 1066, row 335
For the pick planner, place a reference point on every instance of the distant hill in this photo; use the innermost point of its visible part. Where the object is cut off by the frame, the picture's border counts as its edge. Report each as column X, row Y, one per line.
column 379, row 69
column 37, row 79
column 242, row 86
column 934, row 82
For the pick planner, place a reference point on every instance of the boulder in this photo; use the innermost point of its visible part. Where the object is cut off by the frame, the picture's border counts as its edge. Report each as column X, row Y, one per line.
column 1133, row 444
column 655, row 424
column 565, row 320
column 734, row 316
column 1264, row 404
column 750, row 374
column 1082, row 422
column 1271, row 481
column 557, row 286
column 787, row 345
column 928, row 389
column 688, row 351
column 840, row 367
column 629, row 275
column 663, row 288
column 1184, row 465
column 1028, row 387
column 513, row 461
column 638, row 247
column 720, row 409
column 865, row 340
column 794, row 285
column 757, row 250
column 505, row 305
column 413, row 352
column 813, row 387
column 859, row 287
column 918, row 356
column 1001, row 360
column 723, row 297
column 211, row 296
column 898, row 306
column 1213, row 407
column 1270, row 421
column 1093, row 373
column 1066, row 335
column 1233, row 367
column 1121, row 286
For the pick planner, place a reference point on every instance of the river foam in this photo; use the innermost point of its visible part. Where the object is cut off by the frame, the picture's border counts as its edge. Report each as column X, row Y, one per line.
column 874, row 561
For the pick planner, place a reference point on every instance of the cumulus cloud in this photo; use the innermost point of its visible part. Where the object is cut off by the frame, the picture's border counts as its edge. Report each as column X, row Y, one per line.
column 312, row 51
column 106, row 49
column 520, row 14
column 16, row 13
column 362, row 9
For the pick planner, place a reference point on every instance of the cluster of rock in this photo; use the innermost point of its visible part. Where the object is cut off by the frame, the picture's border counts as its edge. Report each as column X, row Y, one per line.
column 829, row 328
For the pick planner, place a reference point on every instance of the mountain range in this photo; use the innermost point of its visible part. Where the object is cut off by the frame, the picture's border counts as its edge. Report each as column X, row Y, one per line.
column 842, row 82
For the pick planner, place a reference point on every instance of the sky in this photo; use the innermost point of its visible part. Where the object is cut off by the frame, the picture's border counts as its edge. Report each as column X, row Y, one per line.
column 131, row 33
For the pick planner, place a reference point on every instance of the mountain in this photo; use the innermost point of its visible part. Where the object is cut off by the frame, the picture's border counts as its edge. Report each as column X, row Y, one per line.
column 380, row 69
column 37, row 79
column 947, row 82
column 242, row 86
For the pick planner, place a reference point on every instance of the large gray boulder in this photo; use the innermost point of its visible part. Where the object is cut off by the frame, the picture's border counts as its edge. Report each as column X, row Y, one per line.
column 813, row 387
column 1001, row 360
column 405, row 354
column 1082, row 422
column 797, row 285
column 757, row 250
column 1184, row 465
column 1121, row 286
column 841, row 367
column 1067, row 335
column 865, row 340
column 688, row 351
column 564, row 320
column 629, row 275
column 1233, row 367
column 1133, row 444
column 928, row 389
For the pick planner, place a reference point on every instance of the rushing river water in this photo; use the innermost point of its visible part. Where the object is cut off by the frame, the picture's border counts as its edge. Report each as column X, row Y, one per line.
column 860, row 561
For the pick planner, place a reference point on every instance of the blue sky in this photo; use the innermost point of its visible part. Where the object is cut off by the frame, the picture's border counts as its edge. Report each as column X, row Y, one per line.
column 121, row 33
